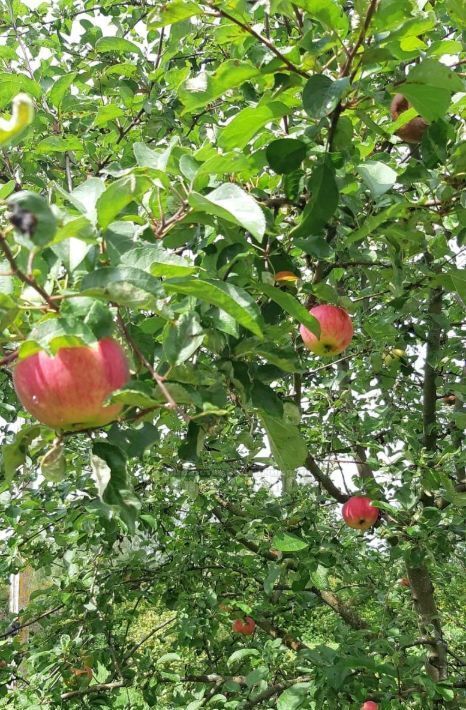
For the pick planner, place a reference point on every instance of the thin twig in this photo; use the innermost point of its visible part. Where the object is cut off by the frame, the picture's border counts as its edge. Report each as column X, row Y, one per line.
column 158, row 379
column 133, row 650
column 263, row 40
column 98, row 688
column 24, row 277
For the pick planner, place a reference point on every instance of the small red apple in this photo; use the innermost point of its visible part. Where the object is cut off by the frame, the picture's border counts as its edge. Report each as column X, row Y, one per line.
column 336, row 331
column 359, row 513
column 246, row 626
column 67, row 390
column 369, row 705
column 404, row 582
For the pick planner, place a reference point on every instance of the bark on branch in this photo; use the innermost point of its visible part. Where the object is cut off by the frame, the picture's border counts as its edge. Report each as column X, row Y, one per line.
column 419, row 576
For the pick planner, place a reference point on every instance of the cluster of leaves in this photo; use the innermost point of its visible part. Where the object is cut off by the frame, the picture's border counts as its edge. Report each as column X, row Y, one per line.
column 182, row 154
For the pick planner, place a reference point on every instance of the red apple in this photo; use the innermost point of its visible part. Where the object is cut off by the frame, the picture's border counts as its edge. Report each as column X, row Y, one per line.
column 359, row 513
column 369, row 705
column 67, row 390
column 336, row 331
column 246, row 626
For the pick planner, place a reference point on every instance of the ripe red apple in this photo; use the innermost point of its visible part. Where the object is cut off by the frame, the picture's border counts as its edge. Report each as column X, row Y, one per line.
column 67, row 390
column 369, row 705
column 336, row 331
column 246, row 626
column 359, row 513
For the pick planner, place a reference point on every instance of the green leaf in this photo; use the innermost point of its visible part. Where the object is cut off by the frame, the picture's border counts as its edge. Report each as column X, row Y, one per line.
column 183, row 339
column 287, row 542
column 53, row 463
column 85, row 196
column 45, row 225
column 6, row 189
column 274, row 572
column 159, row 261
column 14, row 454
column 108, row 465
column 232, row 299
column 118, row 195
column 378, row 176
column 60, row 87
column 247, row 122
column 123, row 285
column 107, row 113
column 321, row 95
column 174, row 11
column 116, row 44
column 285, row 359
column 168, row 657
column 156, row 159
column 233, row 204
column 292, row 306
column 58, row 144
column 288, row 447
column 323, row 201
column 204, row 88
column 241, row 654
column 371, row 223
column 294, row 697
column 328, row 12
column 432, row 105
column 315, row 246
column 55, row 333
column 11, row 83
column 458, row 278
column 285, row 154
column 433, row 73
column 457, row 11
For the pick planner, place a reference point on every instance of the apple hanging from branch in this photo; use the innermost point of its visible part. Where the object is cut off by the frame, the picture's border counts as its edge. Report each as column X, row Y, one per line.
column 369, row 705
column 359, row 513
column 68, row 390
column 336, row 331
column 245, row 626
column 412, row 131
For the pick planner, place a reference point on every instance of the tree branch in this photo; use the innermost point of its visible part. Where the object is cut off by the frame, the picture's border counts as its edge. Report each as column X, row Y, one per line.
column 346, row 71
column 28, row 280
column 429, row 416
column 324, row 480
column 97, row 688
column 263, row 40
column 419, row 576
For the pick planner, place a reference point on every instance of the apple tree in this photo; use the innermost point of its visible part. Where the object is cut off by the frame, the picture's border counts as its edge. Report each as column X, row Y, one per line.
column 231, row 302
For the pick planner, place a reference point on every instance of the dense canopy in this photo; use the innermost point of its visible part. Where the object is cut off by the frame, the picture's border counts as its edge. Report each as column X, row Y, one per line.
column 190, row 179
